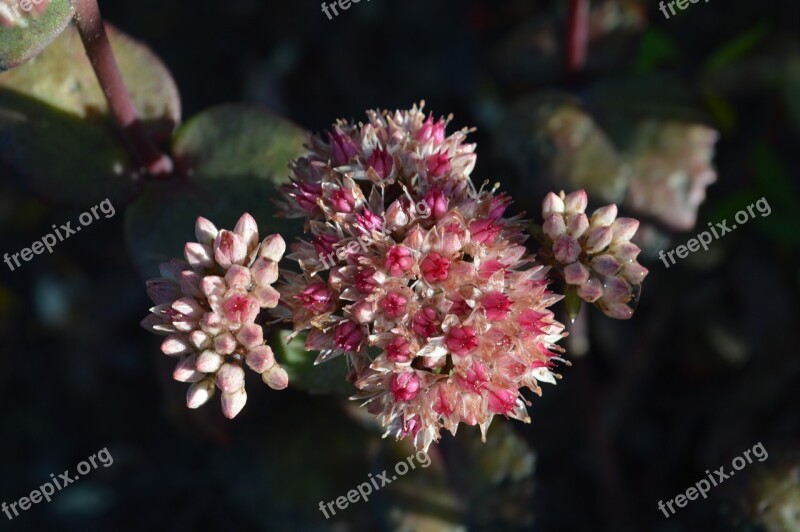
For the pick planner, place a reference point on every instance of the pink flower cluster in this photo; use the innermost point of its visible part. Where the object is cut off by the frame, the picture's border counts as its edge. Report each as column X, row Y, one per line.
column 594, row 254
column 442, row 319
column 208, row 307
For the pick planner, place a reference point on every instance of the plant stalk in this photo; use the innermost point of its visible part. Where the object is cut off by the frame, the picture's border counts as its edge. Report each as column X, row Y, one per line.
column 98, row 48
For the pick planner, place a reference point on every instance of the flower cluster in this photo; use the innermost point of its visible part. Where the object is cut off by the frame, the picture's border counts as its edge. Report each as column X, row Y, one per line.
column 594, row 254
column 443, row 319
column 208, row 307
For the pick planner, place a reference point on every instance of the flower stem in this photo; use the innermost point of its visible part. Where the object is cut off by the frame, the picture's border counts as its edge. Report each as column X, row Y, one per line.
column 577, row 34
column 98, row 48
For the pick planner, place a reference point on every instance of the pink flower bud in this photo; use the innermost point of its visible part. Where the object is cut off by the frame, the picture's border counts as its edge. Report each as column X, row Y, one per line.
column 211, row 323
column 233, row 402
column 213, row 286
column 229, row 249
column 260, row 359
column 348, row 336
column 342, row 200
column 272, row 248
column 176, row 345
column 250, row 335
column 238, row 277
column 461, row 340
column 265, row 271
column 342, row 146
column 566, row 249
column 266, row 297
column 247, row 229
column 438, row 165
column 209, row 361
column 634, row 272
column 405, row 386
column 576, row 202
column 577, row 224
column 604, row 216
column 554, row 226
column 399, row 350
column 437, row 203
column 276, row 378
column 398, row 261
column 365, row 280
column 205, row 231
column 425, row 322
column 484, row 231
column 598, row 239
column 317, row 297
column 199, row 393
column 199, row 256
column 230, row 377
column 435, row 268
column 552, row 204
column 199, row 338
column 163, row 291
column 190, row 284
column 591, row 290
column 502, row 401
column 239, row 307
column 225, row 343
column 616, row 290
column 496, row 305
column 605, row 264
column 576, row 274
column 381, row 162
column 186, row 370
column 624, row 229
column 363, row 311
column 394, row 305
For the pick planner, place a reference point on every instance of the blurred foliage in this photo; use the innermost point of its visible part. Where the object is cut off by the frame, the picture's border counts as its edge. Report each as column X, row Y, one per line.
column 707, row 367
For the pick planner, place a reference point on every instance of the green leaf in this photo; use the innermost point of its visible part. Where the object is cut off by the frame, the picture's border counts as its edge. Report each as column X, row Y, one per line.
column 25, row 33
column 160, row 222
column 55, row 120
column 233, row 155
column 327, row 378
column 736, row 49
column 238, row 140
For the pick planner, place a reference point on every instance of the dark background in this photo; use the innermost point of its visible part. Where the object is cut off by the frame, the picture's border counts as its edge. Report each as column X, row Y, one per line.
column 708, row 366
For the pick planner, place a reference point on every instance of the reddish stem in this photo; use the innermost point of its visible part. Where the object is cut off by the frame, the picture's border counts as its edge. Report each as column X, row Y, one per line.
column 98, row 49
column 577, row 34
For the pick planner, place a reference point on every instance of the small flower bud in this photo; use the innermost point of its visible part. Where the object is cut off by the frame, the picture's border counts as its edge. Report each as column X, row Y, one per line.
column 604, row 216
column 260, row 359
column 273, row 247
column 576, row 202
column 566, row 249
column 552, row 204
column 205, row 231
column 554, row 226
column 186, row 371
column 199, row 393
column 233, row 402
column 230, row 377
column 209, row 361
column 276, row 378
column 598, row 239
column 199, row 256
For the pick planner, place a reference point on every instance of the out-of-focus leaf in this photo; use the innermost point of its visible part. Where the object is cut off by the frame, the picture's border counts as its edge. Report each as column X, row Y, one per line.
column 55, row 121
column 232, row 169
column 655, row 49
column 326, row 378
column 238, row 140
column 160, row 222
column 25, row 33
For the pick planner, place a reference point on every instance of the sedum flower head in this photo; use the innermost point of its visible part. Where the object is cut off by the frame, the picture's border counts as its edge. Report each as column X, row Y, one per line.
column 594, row 254
column 207, row 307
column 417, row 278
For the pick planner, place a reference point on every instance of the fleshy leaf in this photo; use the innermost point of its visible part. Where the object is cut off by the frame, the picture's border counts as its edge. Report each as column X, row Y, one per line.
column 54, row 118
column 238, row 140
column 25, row 33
